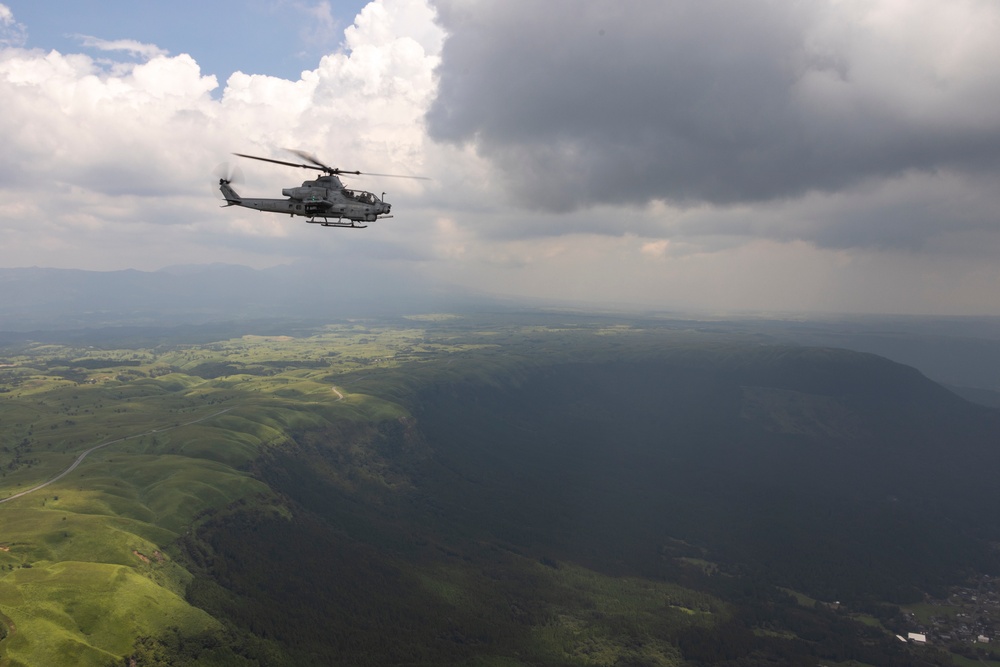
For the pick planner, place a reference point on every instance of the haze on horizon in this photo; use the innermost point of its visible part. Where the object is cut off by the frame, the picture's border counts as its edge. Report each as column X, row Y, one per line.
column 829, row 156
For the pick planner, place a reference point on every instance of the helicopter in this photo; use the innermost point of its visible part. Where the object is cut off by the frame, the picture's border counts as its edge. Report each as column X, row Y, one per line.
column 325, row 200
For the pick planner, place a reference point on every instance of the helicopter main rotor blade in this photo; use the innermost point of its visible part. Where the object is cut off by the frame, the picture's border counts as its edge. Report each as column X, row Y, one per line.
column 309, row 157
column 289, row 164
column 319, row 166
column 368, row 173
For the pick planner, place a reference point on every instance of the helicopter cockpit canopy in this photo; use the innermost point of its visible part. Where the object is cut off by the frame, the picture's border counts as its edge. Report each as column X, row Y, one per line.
column 360, row 196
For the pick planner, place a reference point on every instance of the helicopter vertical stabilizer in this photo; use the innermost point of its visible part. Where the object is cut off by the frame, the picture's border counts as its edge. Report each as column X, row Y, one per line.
column 230, row 195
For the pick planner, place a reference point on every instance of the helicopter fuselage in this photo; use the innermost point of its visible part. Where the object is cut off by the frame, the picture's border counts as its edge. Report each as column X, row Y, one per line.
column 323, row 199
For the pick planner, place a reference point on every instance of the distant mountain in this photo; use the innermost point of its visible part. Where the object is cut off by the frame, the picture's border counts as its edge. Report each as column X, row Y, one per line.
column 960, row 352
column 45, row 299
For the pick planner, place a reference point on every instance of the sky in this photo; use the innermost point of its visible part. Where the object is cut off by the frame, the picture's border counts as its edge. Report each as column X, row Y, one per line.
column 767, row 155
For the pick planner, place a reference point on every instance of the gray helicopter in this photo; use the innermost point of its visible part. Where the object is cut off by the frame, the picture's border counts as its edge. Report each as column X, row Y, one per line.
column 325, row 200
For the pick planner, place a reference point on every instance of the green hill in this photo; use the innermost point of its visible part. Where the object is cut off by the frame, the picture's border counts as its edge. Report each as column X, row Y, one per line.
column 454, row 493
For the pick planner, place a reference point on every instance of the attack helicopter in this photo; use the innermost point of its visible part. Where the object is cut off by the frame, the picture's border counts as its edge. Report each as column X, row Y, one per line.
column 325, row 200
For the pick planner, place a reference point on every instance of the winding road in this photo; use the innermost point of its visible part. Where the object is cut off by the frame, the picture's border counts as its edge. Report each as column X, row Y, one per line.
column 84, row 454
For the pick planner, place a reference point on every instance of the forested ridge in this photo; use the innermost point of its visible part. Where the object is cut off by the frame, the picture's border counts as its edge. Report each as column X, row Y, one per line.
column 492, row 522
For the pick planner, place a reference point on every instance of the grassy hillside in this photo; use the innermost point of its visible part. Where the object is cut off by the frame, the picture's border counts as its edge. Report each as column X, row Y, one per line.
column 85, row 564
column 573, row 492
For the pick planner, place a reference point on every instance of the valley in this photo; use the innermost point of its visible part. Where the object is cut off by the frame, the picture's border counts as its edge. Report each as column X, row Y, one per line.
column 490, row 490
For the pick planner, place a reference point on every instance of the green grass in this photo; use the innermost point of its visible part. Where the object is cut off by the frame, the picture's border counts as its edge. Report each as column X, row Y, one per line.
column 801, row 598
column 582, row 616
column 587, row 626
column 86, row 613
column 87, row 573
column 925, row 611
column 86, row 568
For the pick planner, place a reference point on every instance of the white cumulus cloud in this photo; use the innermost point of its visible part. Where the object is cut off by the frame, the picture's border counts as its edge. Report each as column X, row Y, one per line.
column 818, row 155
column 93, row 152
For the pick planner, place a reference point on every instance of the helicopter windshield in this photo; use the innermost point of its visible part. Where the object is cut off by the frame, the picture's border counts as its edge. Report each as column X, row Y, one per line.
column 361, row 196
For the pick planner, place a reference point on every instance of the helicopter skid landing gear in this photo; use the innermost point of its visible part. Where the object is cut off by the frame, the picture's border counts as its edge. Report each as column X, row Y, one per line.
column 325, row 222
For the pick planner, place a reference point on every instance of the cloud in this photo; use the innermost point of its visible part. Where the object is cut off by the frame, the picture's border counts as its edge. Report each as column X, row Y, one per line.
column 130, row 46
column 831, row 155
column 322, row 27
column 12, row 33
column 70, row 123
column 655, row 249
column 629, row 102
column 127, row 153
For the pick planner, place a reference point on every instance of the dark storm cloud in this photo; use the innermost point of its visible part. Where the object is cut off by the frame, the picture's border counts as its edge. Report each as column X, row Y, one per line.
column 585, row 103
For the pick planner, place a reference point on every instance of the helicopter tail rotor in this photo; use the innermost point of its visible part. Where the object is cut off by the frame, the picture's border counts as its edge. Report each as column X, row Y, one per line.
column 228, row 173
column 225, row 175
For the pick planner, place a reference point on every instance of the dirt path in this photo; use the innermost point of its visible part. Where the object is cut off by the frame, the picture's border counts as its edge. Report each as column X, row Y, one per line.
column 83, row 455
